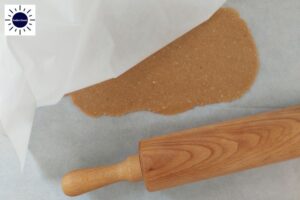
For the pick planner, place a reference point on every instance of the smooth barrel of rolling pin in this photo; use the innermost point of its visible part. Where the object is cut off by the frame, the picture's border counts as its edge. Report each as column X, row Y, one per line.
column 216, row 150
column 85, row 180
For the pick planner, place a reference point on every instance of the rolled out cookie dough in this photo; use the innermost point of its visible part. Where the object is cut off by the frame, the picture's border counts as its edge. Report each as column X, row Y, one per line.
column 215, row 62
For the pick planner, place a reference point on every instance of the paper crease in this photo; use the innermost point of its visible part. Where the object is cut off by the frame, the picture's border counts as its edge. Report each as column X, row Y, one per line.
column 80, row 43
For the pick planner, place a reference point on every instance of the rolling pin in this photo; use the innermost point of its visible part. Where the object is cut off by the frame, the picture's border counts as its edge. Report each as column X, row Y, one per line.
column 200, row 153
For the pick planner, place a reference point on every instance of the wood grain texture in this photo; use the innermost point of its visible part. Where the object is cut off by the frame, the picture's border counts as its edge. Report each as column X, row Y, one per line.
column 216, row 150
column 84, row 180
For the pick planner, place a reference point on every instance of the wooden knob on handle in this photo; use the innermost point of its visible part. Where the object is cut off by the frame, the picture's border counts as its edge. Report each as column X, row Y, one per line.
column 84, row 180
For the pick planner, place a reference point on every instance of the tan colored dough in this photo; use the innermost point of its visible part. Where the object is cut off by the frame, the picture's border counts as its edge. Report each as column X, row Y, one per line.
column 215, row 62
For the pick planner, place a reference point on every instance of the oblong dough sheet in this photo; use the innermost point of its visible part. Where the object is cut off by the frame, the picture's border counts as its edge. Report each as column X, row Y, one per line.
column 215, row 62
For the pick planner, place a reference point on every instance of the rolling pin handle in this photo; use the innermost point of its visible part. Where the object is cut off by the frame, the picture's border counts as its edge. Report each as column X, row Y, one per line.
column 84, row 180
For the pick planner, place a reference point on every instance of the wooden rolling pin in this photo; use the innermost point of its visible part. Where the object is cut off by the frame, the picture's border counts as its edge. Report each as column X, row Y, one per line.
column 200, row 153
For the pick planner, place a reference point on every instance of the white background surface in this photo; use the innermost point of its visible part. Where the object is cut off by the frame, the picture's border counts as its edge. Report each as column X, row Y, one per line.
column 64, row 139
column 78, row 44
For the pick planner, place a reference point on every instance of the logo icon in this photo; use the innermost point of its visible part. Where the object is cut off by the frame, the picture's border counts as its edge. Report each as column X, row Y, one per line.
column 19, row 20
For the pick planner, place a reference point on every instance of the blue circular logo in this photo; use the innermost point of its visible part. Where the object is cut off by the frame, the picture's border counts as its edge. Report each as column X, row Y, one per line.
column 20, row 19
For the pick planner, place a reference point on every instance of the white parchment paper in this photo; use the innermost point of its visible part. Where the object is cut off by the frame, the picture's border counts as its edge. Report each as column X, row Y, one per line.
column 64, row 139
column 79, row 43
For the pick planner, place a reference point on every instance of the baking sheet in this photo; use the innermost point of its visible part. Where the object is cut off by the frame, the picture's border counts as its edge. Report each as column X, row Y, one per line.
column 64, row 139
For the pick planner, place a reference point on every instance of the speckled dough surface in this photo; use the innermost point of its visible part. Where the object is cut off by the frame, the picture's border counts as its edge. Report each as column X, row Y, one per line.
column 215, row 62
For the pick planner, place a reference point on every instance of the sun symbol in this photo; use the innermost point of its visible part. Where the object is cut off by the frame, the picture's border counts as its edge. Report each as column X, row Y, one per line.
column 20, row 19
